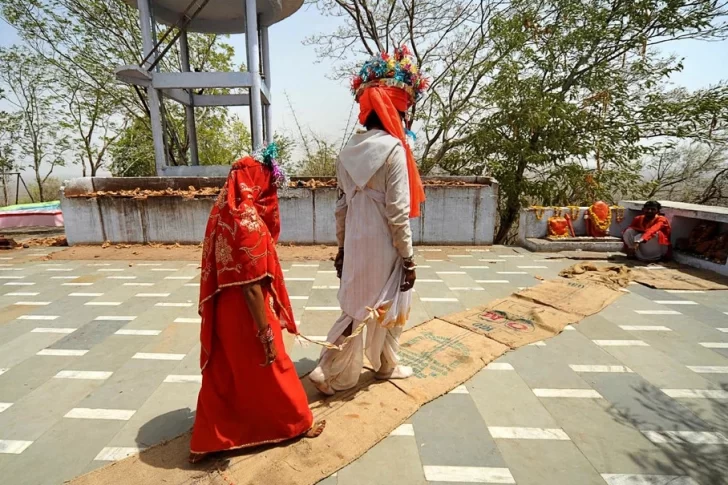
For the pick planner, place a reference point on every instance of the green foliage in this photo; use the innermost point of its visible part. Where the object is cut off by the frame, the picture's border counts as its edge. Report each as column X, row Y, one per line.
column 320, row 162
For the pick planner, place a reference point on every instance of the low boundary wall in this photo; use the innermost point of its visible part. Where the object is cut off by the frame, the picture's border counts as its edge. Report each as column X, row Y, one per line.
column 458, row 211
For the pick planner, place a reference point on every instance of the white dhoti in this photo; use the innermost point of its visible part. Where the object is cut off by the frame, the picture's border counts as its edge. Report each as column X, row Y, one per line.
column 373, row 225
column 650, row 250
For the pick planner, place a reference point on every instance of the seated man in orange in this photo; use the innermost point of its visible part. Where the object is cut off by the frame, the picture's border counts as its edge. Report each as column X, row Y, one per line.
column 639, row 238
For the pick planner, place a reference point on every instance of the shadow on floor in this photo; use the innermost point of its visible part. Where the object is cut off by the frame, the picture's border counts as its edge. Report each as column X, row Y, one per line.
column 706, row 463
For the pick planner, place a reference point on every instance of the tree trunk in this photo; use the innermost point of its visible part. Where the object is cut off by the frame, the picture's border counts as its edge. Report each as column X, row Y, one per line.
column 40, row 186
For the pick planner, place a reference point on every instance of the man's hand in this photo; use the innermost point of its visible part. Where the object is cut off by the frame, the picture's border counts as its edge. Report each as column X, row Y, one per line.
column 339, row 262
column 409, row 275
column 409, row 280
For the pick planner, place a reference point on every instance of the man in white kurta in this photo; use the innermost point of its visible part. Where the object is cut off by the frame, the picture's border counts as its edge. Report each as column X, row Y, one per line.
column 373, row 228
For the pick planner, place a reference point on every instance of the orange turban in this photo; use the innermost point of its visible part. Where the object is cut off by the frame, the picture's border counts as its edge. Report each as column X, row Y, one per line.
column 387, row 102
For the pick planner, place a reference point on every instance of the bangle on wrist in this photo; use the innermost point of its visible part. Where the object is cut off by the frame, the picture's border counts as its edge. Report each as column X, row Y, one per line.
column 265, row 336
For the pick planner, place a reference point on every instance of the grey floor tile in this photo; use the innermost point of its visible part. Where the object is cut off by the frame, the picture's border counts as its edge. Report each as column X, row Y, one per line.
column 451, row 432
column 504, row 399
column 394, row 460
column 540, row 462
column 609, row 445
column 131, row 385
column 60, row 466
column 637, row 403
column 31, row 416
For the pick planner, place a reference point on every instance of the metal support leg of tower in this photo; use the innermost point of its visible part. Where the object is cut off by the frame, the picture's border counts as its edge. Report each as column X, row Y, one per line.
column 155, row 115
column 251, row 41
column 184, row 56
column 267, row 109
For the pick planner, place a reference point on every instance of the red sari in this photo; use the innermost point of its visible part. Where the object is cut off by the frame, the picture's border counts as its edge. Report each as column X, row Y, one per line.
column 242, row 404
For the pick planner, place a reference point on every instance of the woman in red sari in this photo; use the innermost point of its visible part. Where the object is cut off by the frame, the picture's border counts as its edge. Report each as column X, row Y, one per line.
column 251, row 394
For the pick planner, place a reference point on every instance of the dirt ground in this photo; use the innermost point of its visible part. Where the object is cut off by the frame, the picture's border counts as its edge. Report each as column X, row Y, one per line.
column 286, row 252
column 127, row 252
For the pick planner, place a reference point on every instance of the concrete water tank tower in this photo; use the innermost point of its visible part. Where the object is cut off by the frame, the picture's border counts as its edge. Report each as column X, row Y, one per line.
column 252, row 17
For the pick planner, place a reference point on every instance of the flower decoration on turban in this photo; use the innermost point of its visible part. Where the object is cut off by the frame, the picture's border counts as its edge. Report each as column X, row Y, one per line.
column 399, row 70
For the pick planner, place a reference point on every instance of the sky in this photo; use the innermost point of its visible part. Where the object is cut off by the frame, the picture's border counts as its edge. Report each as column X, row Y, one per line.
column 324, row 105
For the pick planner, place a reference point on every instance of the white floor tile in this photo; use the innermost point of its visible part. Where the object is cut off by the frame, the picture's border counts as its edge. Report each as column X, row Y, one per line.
column 600, row 368
column 152, row 295
column 116, row 453
column 403, row 430
column 492, row 281
column 110, row 414
column 620, row 343
column 657, row 312
column 715, row 345
column 696, row 393
column 515, row 433
column 4, row 406
column 646, row 328
column 460, row 390
column 38, row 317
column 692, row 437
column 103, row 303
column 675, row 302
column 138, row 284
column 14, row 447
column 89, row 295
column 114, row 318
column 84, row 375
column 568, row 393
column 180, row 379
column 62, row 352
column 53, row 330
column 499, row 366
column 129, row 331
column 633, row 479
column 32, row 303
column 467, row 474
column 188, row 320
column 22, row 293
column 76, row 284
column 157, row 356
column 709, row 369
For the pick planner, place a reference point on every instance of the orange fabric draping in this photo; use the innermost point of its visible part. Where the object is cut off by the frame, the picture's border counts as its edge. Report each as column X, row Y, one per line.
column 387, row 102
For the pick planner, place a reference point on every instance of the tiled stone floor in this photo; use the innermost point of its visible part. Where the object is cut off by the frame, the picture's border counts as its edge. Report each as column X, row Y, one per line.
column 99, row 359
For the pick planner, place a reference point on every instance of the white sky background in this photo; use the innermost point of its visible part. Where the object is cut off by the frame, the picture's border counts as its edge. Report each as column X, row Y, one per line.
column 324, row 105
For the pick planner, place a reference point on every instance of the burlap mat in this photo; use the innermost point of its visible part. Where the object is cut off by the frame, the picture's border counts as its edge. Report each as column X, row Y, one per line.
column 443, row 353
column 662, row 277
column 613, row 276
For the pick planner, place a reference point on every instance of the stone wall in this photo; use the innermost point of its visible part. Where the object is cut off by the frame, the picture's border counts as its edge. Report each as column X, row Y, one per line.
column 453, row 214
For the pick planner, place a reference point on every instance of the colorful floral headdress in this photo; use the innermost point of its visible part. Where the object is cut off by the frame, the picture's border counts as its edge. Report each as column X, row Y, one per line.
column 398, row 70
column 267, row 155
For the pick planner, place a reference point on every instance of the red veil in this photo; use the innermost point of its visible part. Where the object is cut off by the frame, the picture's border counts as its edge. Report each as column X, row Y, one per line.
column 239, row 245
column 387, row 102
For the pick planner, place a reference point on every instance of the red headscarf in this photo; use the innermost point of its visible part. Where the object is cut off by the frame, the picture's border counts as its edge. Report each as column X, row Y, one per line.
column 239, row 246
column 387, row 102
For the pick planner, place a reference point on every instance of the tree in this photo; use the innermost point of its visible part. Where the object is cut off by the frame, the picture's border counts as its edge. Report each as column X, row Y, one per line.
column 450, row 40
column 85, row 40
column 9, row 132
column 538, row 88
column 695, row 173
column 29, row 82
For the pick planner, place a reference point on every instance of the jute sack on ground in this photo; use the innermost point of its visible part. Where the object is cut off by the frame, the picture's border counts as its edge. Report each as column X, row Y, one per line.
column 679, row 279
column 572, row 296
column 514, row 321
column 443, row 356
column 614, row 276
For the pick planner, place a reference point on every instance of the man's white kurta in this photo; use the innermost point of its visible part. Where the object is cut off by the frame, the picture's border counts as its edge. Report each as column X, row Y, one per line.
column 373, row 227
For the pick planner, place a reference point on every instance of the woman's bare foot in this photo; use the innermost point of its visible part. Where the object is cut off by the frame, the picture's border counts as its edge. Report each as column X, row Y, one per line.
column 196, row 457
column 316, row 429
column 399, row 372
column 319, row 381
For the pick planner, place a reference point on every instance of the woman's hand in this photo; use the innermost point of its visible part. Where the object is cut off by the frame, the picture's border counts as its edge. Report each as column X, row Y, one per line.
column 270, row 353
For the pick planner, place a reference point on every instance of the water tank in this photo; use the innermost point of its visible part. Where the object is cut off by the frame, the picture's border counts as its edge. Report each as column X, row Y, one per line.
column 222, row 16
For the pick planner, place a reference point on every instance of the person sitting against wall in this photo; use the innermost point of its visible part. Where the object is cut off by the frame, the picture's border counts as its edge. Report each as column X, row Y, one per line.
column 648, row 236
